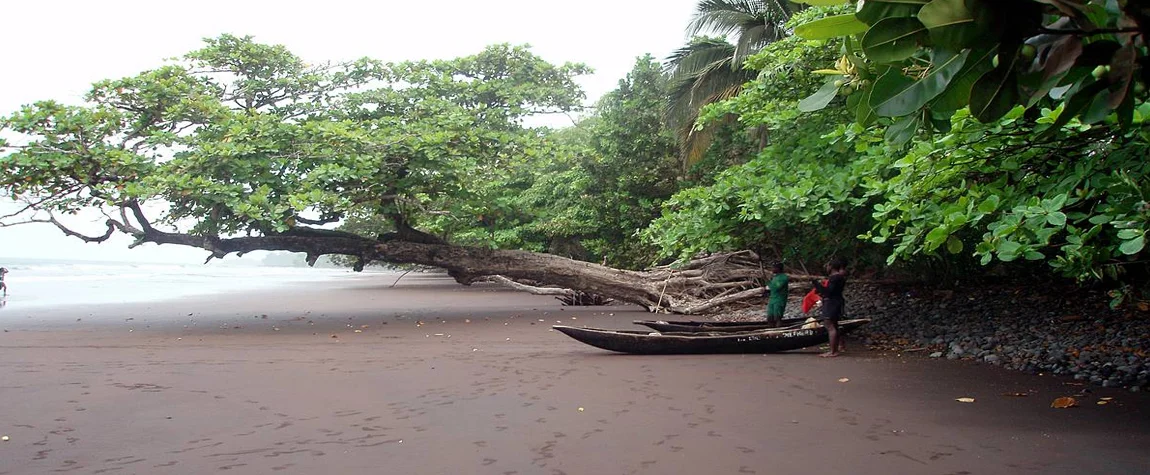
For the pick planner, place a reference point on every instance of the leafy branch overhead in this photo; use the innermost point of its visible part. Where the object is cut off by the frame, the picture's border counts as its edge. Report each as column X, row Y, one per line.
column 919, row 61
column 242, row 138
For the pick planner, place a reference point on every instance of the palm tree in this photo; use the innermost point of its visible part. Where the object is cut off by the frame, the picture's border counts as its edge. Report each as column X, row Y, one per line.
column 710, row 69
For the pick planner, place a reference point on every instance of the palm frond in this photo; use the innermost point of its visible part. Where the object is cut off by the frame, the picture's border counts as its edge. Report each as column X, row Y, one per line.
column 698, row 73
column 731, row 17
column 697, row 53
column 710, row 68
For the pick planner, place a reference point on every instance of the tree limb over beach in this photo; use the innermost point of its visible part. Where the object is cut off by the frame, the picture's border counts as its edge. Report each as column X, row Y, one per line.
column 241, row 146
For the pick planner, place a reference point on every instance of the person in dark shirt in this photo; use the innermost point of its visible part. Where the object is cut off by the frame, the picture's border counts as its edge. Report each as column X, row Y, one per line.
column 3, row 286
column 833, row 304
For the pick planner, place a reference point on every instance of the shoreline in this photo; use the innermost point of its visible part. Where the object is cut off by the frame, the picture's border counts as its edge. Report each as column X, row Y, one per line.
column 442, row 378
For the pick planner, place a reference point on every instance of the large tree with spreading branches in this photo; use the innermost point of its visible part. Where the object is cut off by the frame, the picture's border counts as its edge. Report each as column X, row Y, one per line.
column 241, row 146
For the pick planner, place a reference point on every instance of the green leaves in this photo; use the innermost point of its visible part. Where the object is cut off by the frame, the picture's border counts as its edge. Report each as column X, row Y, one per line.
column 990, row 205
column 951, row 25
column 830, row 27
column 895, row 95
column 902, row 130
column 872, row 11
column 996, row 92
column 820, row 98
column 957, row 94
column 1024, row 53
column 892, row 40
column 954, row 245
column 1133, row 241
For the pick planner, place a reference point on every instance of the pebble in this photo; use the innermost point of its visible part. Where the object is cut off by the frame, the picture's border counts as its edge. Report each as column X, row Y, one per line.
column 1043, row 329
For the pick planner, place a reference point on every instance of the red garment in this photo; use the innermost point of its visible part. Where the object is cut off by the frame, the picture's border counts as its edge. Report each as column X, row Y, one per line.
column 812, row 297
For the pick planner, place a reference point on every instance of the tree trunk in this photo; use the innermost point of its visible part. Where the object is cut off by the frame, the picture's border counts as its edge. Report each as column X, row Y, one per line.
column 702, row 285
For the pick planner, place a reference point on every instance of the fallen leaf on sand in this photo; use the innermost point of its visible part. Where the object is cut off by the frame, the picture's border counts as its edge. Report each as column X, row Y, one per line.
column 965, row 399
column 359, row 331
column 843, row 380
column 1106, row 398
column 5, row 438
column 1064, row 402
column 580, row 409
column 1103, row 403
column 335, row 336
column 1015, row 394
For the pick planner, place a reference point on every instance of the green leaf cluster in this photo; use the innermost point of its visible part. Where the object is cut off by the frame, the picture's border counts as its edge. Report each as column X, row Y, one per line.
column 920, row 61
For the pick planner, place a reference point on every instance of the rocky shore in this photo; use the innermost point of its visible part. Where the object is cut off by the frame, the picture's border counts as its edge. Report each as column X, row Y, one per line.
column 1058, row 330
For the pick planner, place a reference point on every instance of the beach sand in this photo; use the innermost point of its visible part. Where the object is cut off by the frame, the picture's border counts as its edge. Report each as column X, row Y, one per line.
column 430, row 377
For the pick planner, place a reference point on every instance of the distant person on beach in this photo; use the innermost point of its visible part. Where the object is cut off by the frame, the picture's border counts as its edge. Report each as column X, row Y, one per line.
column 777, row 295
column 3, row 285
column 833, row 304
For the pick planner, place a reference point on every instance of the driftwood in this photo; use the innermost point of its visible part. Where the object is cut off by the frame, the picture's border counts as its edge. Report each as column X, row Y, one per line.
column 567, row 296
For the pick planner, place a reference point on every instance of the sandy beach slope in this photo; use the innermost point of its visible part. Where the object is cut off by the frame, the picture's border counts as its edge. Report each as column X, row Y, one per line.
column 430, row 377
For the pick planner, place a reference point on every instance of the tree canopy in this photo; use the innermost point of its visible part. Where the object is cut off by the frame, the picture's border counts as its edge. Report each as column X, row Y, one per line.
column 241, row 138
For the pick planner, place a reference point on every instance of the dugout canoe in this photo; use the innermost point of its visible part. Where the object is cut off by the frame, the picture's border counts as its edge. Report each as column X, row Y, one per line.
column 671, row 343
column 693, row 326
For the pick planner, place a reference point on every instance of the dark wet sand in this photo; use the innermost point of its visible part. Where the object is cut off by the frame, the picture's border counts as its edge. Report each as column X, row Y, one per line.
column 482, row 386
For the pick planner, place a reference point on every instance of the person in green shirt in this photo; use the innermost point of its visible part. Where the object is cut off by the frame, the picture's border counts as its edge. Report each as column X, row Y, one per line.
column 777, row 297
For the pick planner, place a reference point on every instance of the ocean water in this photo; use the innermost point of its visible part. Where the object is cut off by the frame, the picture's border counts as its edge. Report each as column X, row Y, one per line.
column 45, row 282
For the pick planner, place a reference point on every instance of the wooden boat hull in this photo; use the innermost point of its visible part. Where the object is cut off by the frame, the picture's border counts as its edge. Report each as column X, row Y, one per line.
column 671, row 343
column 693, row 326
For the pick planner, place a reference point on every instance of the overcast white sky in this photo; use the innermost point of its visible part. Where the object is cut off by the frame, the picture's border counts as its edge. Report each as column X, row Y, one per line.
column 56, row 49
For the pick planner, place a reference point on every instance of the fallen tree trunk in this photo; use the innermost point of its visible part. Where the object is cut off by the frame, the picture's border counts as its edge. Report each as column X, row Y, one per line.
column 567, row 296
column 688, row 290
column 702, row 285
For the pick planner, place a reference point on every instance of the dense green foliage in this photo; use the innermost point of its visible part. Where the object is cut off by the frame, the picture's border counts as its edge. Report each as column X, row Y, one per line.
column 1032, row 184
column 590, row 188
column 797, row 197
column 920, row 61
